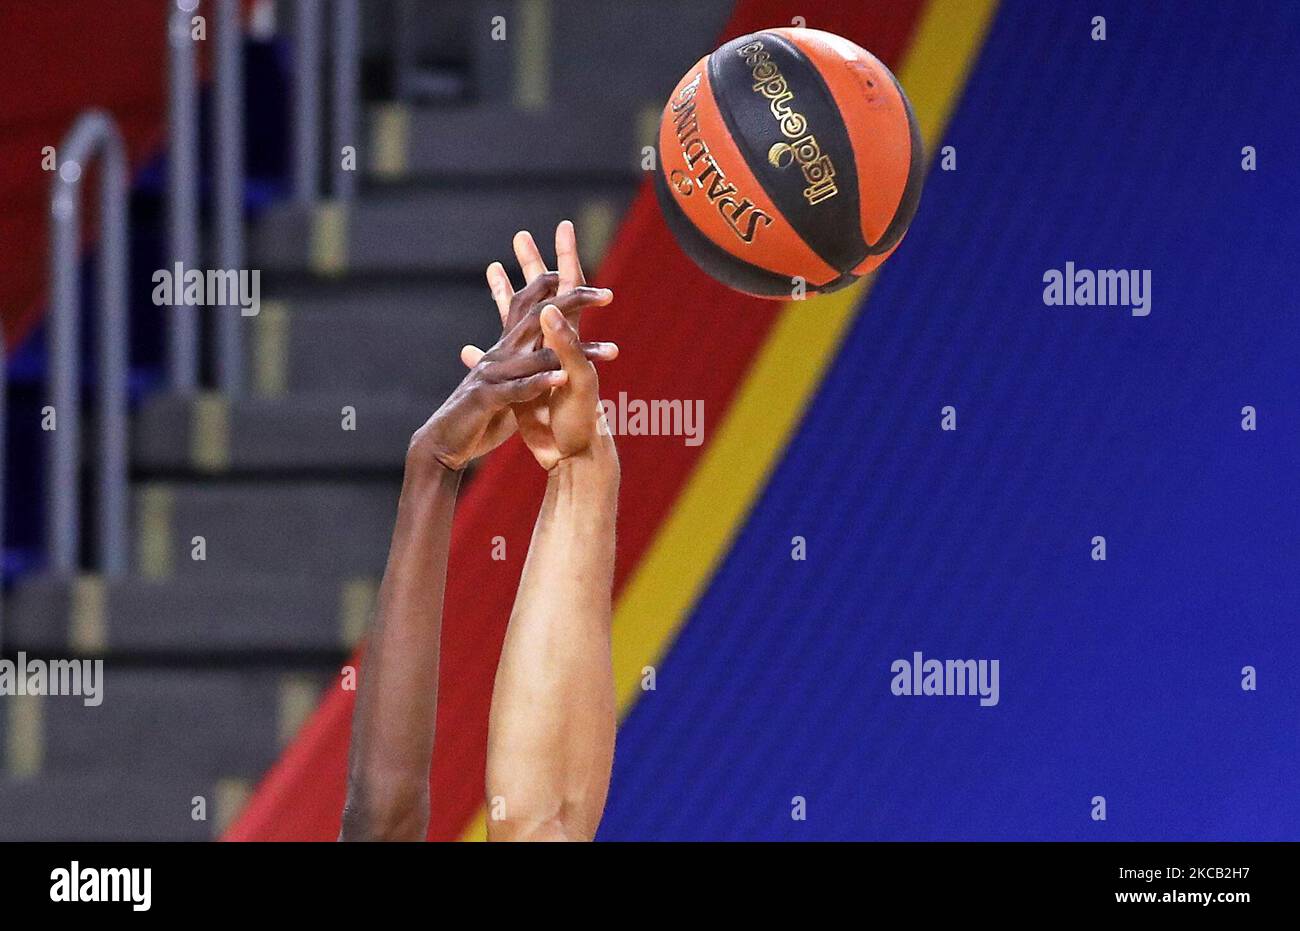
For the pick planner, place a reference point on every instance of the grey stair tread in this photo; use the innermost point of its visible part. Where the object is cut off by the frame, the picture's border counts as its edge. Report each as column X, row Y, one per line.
column 435, row 29
column 641, row 49
column 429, row 141
column 640, row 60
column 291, row 528
column 231, row 614
column 443, row 299
column 202, row 723
column 104, row 806
column 393, row 340
column 457, row 230
column 297, row 431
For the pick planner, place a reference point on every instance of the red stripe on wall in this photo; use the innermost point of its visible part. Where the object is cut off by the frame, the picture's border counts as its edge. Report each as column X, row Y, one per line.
column 59, row 60
column 683, row 336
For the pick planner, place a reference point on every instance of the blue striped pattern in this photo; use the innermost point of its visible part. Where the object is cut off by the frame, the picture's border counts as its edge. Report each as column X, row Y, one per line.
column 1118, row 678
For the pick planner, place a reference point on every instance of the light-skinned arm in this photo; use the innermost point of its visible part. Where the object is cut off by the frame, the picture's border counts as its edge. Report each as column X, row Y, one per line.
column 552, row 724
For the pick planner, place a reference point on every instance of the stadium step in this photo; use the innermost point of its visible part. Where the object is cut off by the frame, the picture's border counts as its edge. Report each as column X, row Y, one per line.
column 295, row 529
column 205, row 724
column 424, row 230
column 394, row 338
column 547, row 51
column 418, row 142
column 234, row 615
column 309, row 432
column 102, row 805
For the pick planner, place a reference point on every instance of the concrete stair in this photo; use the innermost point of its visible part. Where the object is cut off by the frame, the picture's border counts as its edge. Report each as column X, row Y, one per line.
column 385, row 338
column 412, row 230
column 285, row 528
column 220, row 722
column 103, row 805
column 238, row 615
column 307, row 432
column 411, row 143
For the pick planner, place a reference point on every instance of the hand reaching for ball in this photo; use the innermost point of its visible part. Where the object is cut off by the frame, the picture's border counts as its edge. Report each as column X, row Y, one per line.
column 562, row 421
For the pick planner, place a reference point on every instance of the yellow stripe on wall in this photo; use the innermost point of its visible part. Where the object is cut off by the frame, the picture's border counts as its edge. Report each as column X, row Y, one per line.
column 771, row 400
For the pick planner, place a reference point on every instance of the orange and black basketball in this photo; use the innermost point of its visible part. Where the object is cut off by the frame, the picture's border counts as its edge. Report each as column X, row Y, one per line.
column 789, row 154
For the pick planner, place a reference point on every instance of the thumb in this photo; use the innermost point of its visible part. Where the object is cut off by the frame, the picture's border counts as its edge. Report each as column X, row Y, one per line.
column 470, row 356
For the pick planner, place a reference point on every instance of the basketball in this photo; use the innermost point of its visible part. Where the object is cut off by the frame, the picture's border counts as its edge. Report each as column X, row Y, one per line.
column 789, row 157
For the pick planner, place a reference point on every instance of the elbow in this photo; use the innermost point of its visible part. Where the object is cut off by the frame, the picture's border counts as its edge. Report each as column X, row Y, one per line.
column 565, row 824
column 516, row 830
column 395, row 811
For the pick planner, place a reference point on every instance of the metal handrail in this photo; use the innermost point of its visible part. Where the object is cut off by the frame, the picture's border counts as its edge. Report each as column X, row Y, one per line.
column 96, row 135
column 93, row 135
column 306, row 101
column 344, row 103
column 228, row 133
column 182, row 193
column 347, row 78
column 183, row 245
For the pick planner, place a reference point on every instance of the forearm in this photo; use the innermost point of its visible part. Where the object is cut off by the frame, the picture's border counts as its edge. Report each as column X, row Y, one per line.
column 551, row 732
column 393, row 724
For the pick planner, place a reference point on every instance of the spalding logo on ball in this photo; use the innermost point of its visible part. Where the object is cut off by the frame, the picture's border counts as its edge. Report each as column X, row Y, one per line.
column 789, row 154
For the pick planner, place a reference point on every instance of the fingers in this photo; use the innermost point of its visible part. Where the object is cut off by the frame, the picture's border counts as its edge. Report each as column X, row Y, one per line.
column 502, row 291
column 519, row 390
column 582, row 297
column 562, row 339
column 600, row 352
column 527, row 327
column 530, row 259
column 540, row 289
column 521, row 366
column 470, row 356
column 566, row 256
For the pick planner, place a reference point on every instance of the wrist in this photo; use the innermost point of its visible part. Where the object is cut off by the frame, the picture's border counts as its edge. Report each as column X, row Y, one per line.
column 597, row 463
column 427, row 481
column 425, row 456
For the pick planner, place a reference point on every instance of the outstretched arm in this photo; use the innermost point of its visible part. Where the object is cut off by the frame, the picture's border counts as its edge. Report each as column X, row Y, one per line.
column 397, row 697
column 551, row 730
column 393, row 724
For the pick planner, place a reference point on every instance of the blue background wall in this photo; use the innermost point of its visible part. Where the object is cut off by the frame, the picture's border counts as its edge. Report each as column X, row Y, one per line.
column 1118, row 678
